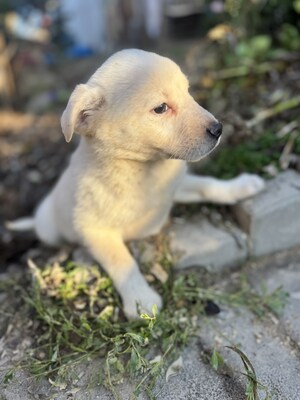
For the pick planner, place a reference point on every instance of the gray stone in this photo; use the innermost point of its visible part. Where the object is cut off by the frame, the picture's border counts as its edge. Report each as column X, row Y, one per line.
column 199, row 243
column 272, row 219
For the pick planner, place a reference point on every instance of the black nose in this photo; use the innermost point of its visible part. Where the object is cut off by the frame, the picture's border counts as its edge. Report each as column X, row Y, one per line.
column 215, row 129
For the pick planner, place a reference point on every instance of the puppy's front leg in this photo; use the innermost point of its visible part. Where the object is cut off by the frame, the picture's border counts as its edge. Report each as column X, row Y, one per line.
column 205, row 189
column 108, row 248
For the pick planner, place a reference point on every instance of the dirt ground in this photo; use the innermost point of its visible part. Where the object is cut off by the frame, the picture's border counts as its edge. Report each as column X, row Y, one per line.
column 32, row 154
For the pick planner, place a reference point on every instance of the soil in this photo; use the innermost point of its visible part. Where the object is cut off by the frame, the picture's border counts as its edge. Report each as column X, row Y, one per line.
column 32, row 155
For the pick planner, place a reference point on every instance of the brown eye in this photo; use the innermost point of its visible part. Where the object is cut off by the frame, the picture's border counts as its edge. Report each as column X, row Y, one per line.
column 161, row 109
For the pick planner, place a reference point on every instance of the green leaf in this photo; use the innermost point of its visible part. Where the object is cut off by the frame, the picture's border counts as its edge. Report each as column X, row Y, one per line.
column 296, row 5
column 86, row 326
column 261, row 44
column 145, row 316
column 136, row 337
column 55, row 353
column 154, row 310
column 135, row 363
column 8, row 377
column 216, row 360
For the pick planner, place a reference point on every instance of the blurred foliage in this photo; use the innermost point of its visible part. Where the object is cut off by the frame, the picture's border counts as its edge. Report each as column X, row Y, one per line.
column 252, row 82
column 260, row 26
column 254, row 49
column 253, row 17
column 289, row 37
column 250, row 155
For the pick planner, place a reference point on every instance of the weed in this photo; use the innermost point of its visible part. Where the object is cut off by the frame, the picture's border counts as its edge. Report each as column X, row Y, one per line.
column 76, row 326
column 253, row 385
column 216, row 360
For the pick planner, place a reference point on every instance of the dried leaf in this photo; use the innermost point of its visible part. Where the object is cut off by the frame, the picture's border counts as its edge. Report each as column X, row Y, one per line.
column 58, row 384
column 37, row 275
column 219, row 32
column 174, row 368
column 159, row 273
column 156, row 359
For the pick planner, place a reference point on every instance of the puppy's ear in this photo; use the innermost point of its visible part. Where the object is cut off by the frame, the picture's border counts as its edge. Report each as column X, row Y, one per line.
column 82, row 105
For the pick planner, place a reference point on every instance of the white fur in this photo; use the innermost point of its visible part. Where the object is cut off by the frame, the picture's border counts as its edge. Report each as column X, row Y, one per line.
column 129, row 167
column 22, row 224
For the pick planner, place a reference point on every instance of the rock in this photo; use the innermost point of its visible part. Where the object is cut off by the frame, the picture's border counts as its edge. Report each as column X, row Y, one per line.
column 199, row 243
column 272, row 218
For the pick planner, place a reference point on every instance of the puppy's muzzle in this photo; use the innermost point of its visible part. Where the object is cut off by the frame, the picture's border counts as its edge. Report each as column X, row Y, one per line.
column 215, row 130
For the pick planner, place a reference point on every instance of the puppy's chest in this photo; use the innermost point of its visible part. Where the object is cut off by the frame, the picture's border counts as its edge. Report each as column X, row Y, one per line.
column 147, row 196
column 155, row 185
column 144, row 193
column 131, row 198
column 146, row 207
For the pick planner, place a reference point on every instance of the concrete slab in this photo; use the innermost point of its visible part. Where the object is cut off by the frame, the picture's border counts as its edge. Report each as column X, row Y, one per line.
column 289, row 279
column 198, row 381
column 272, row 219
column 275, row 360
column 199, row 243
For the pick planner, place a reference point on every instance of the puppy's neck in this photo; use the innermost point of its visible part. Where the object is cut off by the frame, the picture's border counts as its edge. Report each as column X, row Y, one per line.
column 95, row 151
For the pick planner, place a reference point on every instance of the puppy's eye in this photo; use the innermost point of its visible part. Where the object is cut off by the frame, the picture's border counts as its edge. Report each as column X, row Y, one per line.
column 161, row 109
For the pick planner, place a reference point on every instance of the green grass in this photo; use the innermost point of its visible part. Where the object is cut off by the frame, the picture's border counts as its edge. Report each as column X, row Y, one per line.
column 80, row 318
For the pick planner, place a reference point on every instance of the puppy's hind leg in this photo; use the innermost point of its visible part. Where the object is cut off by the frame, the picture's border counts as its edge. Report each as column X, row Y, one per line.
column 195, row 189
column 110, row 251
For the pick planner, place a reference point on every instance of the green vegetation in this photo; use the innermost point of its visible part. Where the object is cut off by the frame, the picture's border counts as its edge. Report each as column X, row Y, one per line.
column 253, row 385
column 252, row 155
column 80, row 319
column 249, row 79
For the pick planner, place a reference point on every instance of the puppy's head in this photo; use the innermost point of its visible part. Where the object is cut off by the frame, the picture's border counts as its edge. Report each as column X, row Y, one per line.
column 137, row 105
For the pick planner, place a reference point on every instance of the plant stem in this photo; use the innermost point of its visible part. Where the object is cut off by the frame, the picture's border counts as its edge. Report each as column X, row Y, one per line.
column 271, row 112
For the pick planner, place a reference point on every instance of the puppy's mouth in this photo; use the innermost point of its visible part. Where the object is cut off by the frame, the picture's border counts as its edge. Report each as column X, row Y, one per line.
column 201, row 151
column 190, row 153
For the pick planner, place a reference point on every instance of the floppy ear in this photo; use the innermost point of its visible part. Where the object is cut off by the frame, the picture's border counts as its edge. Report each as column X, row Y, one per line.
column 83, row 103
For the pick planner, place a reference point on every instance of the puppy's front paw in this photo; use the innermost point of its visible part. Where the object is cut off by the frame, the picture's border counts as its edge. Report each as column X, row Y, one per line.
column 137, row 296
column 247, row 185
column 141, row 301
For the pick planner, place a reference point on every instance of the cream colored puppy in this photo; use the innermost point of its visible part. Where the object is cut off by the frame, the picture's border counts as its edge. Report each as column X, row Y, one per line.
column 139, row 125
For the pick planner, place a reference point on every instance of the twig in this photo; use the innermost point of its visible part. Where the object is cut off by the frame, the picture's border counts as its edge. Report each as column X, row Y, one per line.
column 243, row 70
column 285, row 158
column 271, row 112
column 288, row 128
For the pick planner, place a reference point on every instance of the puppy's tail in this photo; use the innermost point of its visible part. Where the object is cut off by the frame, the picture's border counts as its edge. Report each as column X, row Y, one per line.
column 22, row 224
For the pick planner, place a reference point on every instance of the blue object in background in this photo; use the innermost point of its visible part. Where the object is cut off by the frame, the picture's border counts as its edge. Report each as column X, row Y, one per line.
column 78, row 51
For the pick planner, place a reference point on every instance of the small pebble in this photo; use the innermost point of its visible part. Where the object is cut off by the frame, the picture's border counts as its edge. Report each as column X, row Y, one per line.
column 211, row 308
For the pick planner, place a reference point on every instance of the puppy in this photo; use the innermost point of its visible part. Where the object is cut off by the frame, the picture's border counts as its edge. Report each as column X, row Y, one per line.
column 138, row 125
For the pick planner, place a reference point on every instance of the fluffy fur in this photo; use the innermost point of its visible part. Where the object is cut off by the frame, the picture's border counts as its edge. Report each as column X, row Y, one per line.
column 130, row 167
